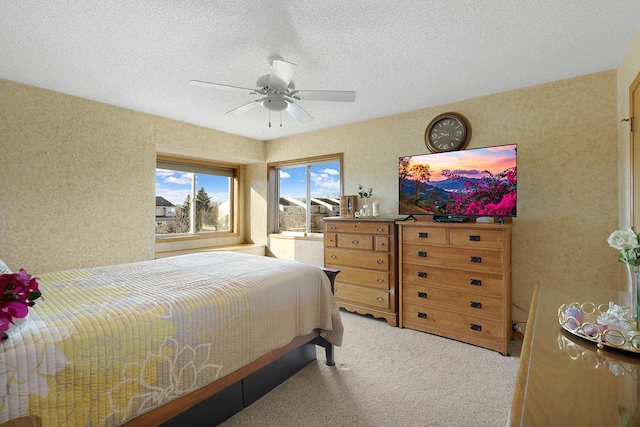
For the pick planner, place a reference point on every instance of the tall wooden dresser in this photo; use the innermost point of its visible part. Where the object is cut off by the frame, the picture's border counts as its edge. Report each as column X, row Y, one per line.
column 365, row 252
column 456, row 281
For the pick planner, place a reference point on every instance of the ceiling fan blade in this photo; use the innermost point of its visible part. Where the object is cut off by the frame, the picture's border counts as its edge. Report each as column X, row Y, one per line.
column 298, row 113
column 221, row 86
column 281, row 74
column 324, row 95
column 245, row 107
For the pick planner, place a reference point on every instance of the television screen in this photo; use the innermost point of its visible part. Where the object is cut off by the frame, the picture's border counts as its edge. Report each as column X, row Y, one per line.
column 475, row 182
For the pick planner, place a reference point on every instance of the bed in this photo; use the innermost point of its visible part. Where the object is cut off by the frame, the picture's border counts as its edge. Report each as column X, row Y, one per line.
column 139, row 343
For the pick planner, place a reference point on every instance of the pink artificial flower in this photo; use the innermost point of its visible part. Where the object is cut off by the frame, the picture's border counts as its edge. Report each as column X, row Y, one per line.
column 4, row 322
column 18, row 292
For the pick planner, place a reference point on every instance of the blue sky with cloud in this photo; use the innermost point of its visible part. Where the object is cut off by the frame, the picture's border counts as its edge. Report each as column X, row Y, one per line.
column 175, row 186
column 324, row 179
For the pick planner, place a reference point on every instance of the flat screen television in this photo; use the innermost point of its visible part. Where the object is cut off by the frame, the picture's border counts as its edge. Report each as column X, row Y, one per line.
column 459, row 184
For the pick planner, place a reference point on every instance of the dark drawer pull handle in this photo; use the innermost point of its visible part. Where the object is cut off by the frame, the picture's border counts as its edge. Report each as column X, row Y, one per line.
column 476, row 327
column 476, row 304
column 475, row 282
column 422, row 294
column 474, row 238
column 422, row 254
column 422, row 274
column 422, row 315
column 475, row 259
column 423, row 235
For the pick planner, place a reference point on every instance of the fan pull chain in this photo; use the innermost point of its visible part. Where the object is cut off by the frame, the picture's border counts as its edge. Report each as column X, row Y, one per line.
column 269, row 113
column 280, row 118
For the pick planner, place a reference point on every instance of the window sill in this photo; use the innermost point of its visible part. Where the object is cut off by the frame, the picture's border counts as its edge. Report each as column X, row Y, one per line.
column 249, row 248
column 313, row 237
column 177, row 238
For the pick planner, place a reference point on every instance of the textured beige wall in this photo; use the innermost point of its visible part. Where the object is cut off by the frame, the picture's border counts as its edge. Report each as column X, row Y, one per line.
column 566, row 133
column 77, row 178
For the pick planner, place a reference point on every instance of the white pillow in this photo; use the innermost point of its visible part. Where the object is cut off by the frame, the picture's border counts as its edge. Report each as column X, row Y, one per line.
column 4, row 269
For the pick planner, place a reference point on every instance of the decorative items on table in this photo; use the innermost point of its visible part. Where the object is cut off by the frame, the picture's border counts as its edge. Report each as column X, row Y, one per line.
column 626, row 241
column 610, row 324
column 18, row 292
column 369, row 207
column 607, row 325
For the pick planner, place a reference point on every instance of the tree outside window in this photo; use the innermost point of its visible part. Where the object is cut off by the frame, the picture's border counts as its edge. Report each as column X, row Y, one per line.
column 176, row 185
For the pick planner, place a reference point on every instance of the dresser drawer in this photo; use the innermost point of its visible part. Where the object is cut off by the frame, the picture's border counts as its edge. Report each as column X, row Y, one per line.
column 453, row 257
column 359, row 276
column 469, row 328
column 358, row 227
column 353, row 258
column 452, row 300
column 375, row 298
column 381, row 243
column 462, row 280
column 490, row 239
column 355, row 241
column 424, row 235
column 330, row 240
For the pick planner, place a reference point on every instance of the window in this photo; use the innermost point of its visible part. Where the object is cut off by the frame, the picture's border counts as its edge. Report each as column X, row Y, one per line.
column 303, row 192
column 179, row 183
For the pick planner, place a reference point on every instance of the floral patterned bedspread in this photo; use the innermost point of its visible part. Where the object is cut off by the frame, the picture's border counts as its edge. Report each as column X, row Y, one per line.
column 107, row 344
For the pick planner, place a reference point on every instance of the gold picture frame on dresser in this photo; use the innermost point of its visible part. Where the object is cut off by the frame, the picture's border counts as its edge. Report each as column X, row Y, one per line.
column 365, row 252
column 455, row 281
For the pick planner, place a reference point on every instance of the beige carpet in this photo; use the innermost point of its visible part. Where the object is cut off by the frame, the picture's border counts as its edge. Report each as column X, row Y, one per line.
column 386, row 376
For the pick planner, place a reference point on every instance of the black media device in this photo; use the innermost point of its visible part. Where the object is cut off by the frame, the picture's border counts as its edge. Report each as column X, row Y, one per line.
column 450, row 218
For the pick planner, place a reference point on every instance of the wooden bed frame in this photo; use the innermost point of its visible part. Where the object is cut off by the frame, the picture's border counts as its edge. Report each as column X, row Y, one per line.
column 218, row 401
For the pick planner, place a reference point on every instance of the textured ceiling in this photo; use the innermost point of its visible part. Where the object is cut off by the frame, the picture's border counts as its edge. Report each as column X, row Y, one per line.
column 397, row 56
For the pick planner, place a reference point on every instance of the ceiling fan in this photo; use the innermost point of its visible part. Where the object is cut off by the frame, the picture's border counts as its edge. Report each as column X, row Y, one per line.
column 278, row 93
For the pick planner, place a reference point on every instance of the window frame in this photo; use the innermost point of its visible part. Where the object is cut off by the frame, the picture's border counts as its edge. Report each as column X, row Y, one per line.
column 234, row 192
column 273, row 187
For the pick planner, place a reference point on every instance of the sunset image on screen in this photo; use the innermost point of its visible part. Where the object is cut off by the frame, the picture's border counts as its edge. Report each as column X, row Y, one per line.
column 475, row 182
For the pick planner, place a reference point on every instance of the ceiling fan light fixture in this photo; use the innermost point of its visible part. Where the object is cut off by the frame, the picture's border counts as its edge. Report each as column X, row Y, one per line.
column 274, row 103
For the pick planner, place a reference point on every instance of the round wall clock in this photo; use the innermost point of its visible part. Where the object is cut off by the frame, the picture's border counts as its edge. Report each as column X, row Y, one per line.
column 447, row 132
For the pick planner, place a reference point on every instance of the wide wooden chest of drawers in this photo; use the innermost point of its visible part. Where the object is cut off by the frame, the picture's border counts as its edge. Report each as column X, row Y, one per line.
column 455, row 281
column 365, row 252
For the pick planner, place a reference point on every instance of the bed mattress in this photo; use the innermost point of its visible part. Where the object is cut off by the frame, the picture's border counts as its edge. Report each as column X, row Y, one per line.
column 107, row 344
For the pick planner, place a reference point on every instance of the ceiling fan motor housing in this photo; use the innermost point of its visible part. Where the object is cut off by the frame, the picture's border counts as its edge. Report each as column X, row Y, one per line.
column 262, row 85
